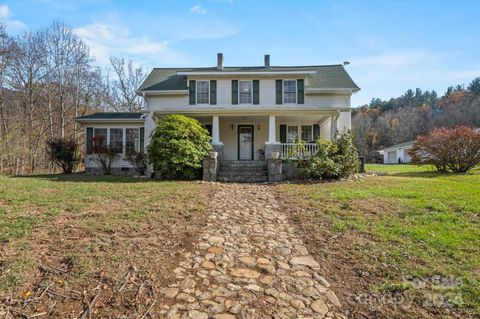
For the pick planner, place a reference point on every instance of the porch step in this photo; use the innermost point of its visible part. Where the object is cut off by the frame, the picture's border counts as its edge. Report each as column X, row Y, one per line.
column 243, row 172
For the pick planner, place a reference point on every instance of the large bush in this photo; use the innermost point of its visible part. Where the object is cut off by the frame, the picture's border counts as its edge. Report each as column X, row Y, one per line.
column 178, row 146
column 139, row 161
column 64, row 152
column 456, row 149
column 335, row 159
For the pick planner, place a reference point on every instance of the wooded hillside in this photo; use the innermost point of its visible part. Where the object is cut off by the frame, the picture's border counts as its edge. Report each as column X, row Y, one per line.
column 47, row 78
column 384, row 123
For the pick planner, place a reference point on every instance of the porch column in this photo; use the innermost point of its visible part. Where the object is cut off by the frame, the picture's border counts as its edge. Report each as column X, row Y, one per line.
column 215, row 130
column 272, row 139
column 217, row 146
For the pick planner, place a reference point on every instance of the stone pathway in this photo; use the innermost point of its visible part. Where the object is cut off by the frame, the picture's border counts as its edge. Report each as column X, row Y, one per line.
column 248, row 263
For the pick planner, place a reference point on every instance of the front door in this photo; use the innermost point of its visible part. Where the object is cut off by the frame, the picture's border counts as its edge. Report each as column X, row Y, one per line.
column 245, row 142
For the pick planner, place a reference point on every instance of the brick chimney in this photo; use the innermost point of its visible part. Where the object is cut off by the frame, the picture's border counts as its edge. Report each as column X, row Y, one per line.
column 219, row 61
column 267, row 61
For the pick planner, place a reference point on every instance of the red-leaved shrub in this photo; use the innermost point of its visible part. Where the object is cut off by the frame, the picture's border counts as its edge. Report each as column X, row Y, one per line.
column 456, row 149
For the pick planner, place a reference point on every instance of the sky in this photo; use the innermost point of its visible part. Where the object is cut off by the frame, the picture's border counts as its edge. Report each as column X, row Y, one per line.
column 392, row 46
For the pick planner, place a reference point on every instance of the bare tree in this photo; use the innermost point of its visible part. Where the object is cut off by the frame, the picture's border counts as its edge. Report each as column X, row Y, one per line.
column 121, row 92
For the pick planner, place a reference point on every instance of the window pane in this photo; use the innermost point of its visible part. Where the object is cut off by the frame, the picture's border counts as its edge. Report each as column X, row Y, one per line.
column 131, row 140
column 290, row 91
column 245, row 92
column 307, row 133
column 99, row 137
column 116, row 139
column 292, row 134
column 203, row 92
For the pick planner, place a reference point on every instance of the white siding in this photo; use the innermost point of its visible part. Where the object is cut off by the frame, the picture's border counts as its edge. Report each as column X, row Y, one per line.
column 344, row 121
column 267, row 99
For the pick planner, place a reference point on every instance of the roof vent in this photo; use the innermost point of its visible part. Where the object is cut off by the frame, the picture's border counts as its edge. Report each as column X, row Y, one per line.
column 219, row 61
column 267, row 61
column 346, row 63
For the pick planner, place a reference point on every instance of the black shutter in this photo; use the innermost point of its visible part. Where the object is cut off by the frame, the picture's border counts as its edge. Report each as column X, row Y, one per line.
column 300, row 92
column 191, row 91
column 89, row 138
column 142, row 139
column 316, row 132
column 213, row 92
column 234, row 92
column 283, row 133
column 256, row 92
column 278, row 95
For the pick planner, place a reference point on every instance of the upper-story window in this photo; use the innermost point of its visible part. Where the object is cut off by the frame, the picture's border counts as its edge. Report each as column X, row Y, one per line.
column 289, row 91
column 203, row 90
column 245, row 92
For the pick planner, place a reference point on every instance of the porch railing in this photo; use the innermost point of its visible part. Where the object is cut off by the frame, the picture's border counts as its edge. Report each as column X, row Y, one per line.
column 295, row 150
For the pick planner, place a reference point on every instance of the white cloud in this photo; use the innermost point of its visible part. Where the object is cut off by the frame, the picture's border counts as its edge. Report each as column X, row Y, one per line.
column 198, row 9
column 110, row 39
column 11, row 25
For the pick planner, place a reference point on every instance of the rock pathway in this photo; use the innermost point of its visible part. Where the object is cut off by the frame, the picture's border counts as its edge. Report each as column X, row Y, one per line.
column 248, row 263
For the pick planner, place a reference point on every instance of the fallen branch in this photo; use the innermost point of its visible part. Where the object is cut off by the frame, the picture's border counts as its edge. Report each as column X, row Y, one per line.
column 88, row 310
column 148, row 310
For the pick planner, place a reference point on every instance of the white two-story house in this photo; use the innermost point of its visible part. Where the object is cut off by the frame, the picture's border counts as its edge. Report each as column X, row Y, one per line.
column 250, row 111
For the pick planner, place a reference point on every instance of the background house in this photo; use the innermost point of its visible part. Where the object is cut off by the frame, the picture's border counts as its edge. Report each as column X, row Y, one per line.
column 397, row 153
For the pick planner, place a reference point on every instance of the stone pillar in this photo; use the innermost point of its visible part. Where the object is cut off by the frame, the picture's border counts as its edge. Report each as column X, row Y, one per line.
column 275, row 167
column 210, row 169
column 269, row 148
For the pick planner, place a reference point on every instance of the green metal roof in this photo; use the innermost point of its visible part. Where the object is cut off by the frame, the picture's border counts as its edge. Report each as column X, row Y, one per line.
column 325, row 77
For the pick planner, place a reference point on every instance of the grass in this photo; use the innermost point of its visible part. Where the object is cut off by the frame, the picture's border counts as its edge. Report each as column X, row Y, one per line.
column 96, row 227
column 419, row 224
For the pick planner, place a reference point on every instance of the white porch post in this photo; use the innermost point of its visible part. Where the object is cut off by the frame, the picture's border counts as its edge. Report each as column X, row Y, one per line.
column 272, row 139
column 215, row 130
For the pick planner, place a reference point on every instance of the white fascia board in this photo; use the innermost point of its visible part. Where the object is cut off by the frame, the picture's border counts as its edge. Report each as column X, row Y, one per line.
column 110, row 120
column 164, row 92
column 330, row 90
column 276, row 111
column 226, row 73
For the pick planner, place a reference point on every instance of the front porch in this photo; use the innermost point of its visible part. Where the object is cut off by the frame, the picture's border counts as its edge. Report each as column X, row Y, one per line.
column 255, row 137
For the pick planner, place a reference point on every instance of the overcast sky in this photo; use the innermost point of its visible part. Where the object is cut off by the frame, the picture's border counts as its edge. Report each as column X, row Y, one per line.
column 392, row 45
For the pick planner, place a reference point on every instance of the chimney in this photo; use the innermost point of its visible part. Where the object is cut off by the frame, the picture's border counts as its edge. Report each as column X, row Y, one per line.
column 267, row 61
column 219, row 61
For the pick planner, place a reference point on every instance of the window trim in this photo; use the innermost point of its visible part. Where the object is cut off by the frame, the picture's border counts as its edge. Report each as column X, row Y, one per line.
column 251, row 92
column 122, row 129
column 196, row 92
column 296, row 91
column 299, row 131
column 135, row 145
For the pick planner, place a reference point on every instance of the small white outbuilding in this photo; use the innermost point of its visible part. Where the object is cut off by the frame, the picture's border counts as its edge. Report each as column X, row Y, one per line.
column 397, row 153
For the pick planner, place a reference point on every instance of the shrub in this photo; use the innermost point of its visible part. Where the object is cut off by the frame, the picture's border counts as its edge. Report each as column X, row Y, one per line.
column 139, row 161
column 178, row 146
column 104, row 155
column 335, row 159
column 64, row 153
column 456, row 149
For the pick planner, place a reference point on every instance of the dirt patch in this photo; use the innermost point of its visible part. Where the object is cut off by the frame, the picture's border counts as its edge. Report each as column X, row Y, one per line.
column 91, row 264
column 341, row 254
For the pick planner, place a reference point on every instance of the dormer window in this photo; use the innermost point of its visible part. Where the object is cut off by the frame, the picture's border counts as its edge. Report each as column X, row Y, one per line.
column 245, row 92
column 203, row 89
column 289, row 91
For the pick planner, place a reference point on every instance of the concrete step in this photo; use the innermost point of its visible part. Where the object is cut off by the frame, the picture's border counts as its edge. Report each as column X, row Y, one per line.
column 243, row 179
column 244, row 173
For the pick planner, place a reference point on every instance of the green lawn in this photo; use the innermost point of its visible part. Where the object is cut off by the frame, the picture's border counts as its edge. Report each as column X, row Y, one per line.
column 418, row 223
column 94, row 229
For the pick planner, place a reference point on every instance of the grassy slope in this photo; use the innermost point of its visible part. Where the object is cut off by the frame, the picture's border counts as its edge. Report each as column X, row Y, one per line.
column 423, row 223
column 93, row 225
